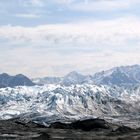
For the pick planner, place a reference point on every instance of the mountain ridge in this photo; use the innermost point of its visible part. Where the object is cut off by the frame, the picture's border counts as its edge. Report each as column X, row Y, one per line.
column 7, row 80
column 123, row 75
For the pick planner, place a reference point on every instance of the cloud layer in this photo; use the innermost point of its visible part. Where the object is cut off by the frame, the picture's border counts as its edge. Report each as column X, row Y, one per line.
column 43, row 37
column 103, row 32
column 59, row 48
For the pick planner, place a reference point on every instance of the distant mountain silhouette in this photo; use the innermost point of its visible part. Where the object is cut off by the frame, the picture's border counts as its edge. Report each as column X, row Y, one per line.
column 12, row 81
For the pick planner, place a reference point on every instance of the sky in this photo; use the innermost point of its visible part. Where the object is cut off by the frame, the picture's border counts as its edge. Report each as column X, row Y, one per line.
column 42, row 38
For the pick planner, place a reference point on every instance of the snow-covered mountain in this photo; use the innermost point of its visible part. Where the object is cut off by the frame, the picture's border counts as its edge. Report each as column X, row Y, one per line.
column 124, row 75
column 71, row 78
column 17, row 80
column 46, row 104
column 73, row 97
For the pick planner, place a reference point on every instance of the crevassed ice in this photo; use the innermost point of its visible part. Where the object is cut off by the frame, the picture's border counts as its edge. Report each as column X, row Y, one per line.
column 55, row 102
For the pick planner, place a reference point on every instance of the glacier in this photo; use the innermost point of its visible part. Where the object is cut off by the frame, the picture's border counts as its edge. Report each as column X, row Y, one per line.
column 54, row 102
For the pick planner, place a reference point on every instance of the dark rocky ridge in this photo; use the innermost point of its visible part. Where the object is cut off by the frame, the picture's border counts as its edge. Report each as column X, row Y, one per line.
column 95, row 129
column 85, row 125
column 12, row 81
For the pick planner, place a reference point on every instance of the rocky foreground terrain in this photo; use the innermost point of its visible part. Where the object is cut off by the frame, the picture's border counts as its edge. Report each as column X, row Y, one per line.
column 91, row 129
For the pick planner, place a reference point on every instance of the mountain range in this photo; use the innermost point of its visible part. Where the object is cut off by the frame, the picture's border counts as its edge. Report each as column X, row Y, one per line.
column 123, row 75
column 73, row 97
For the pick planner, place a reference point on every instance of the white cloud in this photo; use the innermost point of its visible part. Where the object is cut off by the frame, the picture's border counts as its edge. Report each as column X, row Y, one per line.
column 86, row 5
column 64, row 1
column 57, row 49
column 103, row 5
column 38, row 3
column 104, row 32
column 28, row 15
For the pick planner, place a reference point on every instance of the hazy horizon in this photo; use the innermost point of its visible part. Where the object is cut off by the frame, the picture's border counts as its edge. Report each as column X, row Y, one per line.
column 52, row 38
column 68, row 72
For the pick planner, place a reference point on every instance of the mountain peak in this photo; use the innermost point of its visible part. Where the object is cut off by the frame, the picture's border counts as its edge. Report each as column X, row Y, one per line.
column 4, row 74
column 17, row 80
column 123, row 75
column 20, row 75
column 73, row 73
column 73, row 78
column 119, row 75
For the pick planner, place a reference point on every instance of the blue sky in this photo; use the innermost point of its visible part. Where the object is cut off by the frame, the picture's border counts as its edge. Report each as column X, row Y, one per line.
column 51, row 38
column 36, row 12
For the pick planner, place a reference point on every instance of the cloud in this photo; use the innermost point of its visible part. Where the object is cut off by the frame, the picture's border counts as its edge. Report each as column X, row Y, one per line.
column 62, row 11
column 56, row 49
column 28, row 15
column 63, row 1
column 88, row 36
column 103, row 32
column 102, row 5
column 84, row 5
column 38, row 3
